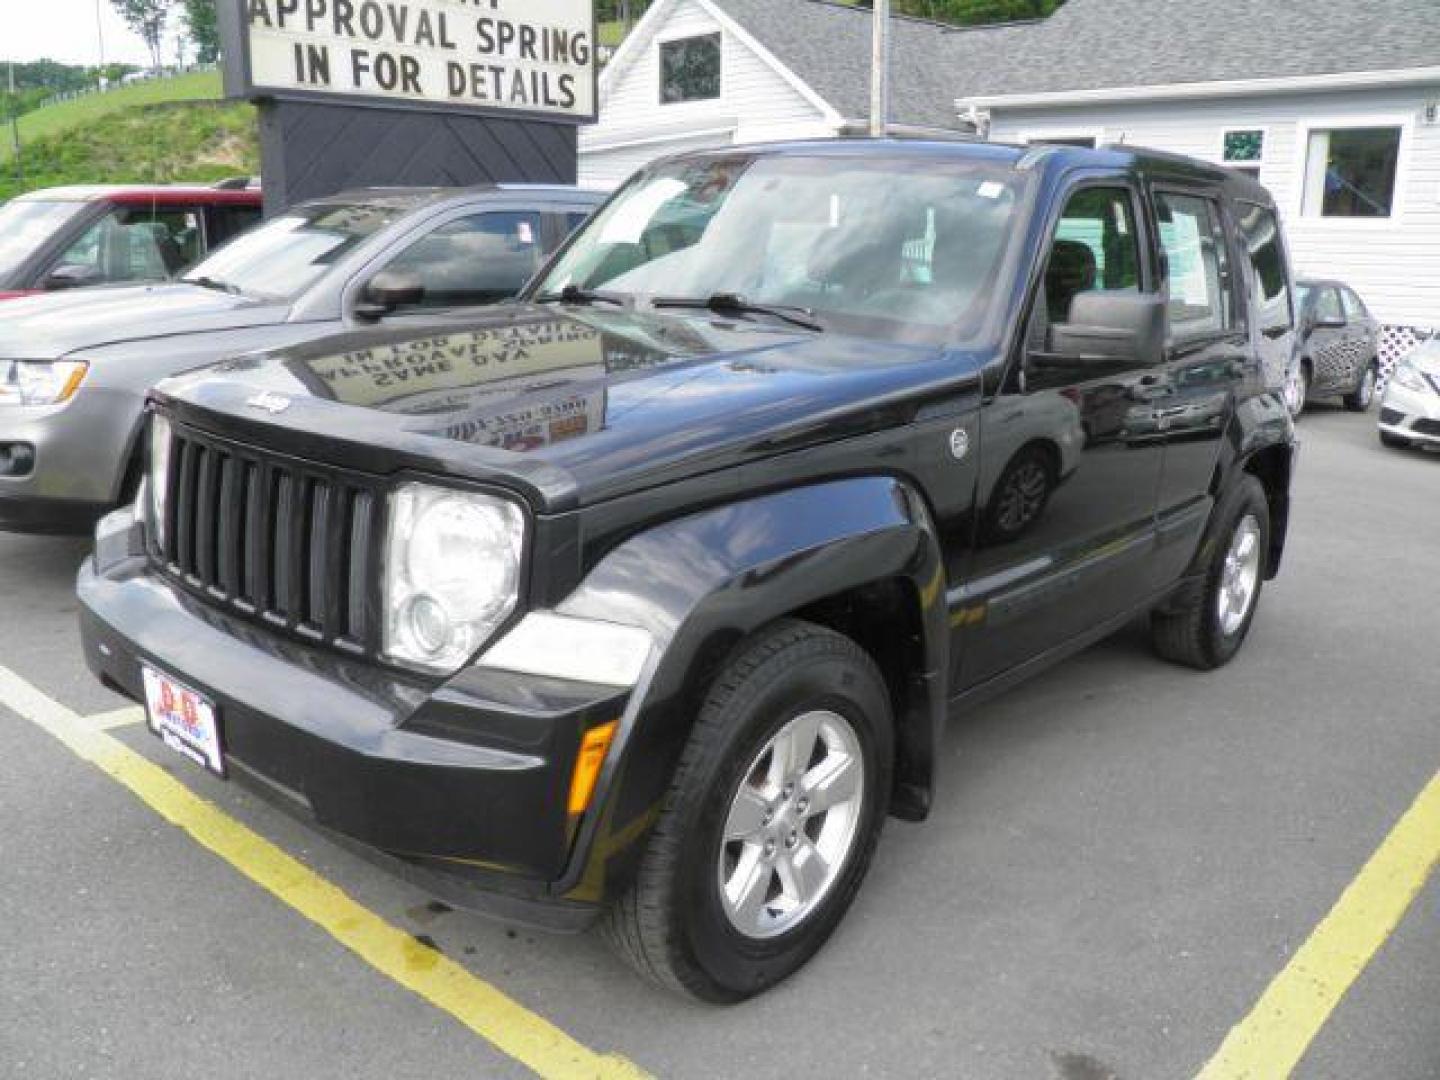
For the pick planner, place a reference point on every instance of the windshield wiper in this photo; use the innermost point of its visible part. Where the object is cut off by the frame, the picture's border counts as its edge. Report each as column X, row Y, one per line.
column 735, row 304
column 211, row 283
column 574, row 294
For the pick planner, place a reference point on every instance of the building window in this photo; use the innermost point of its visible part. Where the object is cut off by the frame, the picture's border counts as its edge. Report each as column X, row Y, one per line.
column 1244, row 150
column 690, row 69
column 1350, row 172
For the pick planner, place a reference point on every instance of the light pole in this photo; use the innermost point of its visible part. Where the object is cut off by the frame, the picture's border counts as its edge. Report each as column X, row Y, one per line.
column 100, row 37
column 15, row 125
column 880, row 71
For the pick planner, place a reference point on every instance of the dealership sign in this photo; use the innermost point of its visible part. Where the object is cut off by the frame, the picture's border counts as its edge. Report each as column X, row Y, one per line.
column 505, row 57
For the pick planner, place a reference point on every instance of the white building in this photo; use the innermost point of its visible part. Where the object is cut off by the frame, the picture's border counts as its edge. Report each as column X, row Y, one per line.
column 704, row 73
column 1336, row 106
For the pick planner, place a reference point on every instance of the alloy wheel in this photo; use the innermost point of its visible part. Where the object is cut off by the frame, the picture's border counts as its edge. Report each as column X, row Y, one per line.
column 792, row 824
column 1023, row 496
column 1240, row 576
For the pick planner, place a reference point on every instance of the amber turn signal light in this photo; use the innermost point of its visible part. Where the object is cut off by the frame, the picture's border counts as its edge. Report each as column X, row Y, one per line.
column 593, row 749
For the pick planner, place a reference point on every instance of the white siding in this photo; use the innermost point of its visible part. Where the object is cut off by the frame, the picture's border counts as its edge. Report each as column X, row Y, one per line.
column 756, row 102
column 1394, row 263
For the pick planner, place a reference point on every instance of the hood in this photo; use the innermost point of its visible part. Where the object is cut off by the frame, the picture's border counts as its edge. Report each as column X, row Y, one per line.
column 573, row 407
column 53, row 325
column 1426, row 357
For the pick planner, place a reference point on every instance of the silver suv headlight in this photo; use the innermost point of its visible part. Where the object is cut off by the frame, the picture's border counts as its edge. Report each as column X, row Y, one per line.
column 157, row 487
column 40, row 382
column 452, row 573
column 1408, row 376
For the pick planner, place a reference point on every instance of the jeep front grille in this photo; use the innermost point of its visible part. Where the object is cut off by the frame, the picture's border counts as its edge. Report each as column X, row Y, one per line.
column 285, row 541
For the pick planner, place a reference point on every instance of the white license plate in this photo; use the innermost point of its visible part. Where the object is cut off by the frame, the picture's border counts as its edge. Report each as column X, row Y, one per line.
column 185, row 720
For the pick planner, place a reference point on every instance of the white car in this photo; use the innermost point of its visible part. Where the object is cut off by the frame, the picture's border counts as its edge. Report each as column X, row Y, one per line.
column 1410, row 409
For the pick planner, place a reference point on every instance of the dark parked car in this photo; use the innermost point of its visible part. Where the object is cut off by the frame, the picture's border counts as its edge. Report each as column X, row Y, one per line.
column 649, row 595
column 61, row 238
column 74, row 368
column 1339, row 347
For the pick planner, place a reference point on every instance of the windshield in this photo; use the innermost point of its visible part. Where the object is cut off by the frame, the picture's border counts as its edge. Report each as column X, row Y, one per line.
column 286, row 255
column 898, row 247
column 25, row 224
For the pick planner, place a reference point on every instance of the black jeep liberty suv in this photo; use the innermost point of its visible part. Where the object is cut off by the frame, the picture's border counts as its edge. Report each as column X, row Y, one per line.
column 647, row 596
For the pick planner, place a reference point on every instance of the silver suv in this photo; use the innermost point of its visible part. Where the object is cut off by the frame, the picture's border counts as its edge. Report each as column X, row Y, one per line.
column 75, row 367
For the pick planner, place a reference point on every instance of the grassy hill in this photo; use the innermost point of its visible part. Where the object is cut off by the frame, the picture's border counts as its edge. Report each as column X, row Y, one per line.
column 55, row 119
column 180, row 140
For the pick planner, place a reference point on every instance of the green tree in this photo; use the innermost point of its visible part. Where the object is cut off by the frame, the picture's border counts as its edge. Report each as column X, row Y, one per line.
column 147, row 18
column 203, row 29
column 972, row 12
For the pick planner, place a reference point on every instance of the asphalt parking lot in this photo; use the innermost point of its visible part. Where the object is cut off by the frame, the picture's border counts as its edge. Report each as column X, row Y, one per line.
column 1123, row 857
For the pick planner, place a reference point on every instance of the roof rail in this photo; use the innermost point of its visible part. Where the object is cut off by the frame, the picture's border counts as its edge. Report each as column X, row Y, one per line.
column 237, row 183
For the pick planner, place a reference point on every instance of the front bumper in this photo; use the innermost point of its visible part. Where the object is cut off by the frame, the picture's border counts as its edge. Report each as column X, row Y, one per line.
column 1411, row 414
column 462, row 787
column 81, row 452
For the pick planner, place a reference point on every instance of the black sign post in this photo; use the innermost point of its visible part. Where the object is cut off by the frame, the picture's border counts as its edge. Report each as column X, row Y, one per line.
column 411, row 92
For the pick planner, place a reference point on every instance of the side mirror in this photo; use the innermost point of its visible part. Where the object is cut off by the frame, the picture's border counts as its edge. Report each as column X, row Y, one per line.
column 72, row 276
column 1109, row 326
column 389, row 290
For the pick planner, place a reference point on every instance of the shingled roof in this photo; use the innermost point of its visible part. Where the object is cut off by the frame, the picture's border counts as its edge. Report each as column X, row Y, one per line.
column 1088, row 45
column 1103, row 44
column 828, row 46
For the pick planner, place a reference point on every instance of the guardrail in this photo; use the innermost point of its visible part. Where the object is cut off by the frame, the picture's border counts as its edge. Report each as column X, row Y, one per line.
column 120, row 84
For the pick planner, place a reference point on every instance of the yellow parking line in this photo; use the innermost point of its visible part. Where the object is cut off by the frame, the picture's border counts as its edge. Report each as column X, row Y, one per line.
column 505, row 1024
column 126, row 717
column 1271, row 1041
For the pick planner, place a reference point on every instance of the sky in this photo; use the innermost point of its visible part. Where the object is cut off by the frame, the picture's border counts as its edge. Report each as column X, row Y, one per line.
column 65, row 30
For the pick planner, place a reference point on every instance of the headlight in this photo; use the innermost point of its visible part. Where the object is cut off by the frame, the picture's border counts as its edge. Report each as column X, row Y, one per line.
column 159, row 476
column 40, row 382
column 1405, row 375
column 452, row 573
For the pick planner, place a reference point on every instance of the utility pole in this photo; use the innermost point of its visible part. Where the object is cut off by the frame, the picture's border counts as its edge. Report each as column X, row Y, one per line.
column 880, row 71
column 15, row 125
column 100, row 37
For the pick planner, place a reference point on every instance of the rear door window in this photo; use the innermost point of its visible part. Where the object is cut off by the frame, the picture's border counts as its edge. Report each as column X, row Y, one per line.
column 1193, row 240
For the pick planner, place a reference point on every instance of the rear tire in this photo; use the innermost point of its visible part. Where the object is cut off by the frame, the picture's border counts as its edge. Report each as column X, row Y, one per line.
column 1360, row 399
column 1205, row 628
column 692, row 921
column 1297, row 390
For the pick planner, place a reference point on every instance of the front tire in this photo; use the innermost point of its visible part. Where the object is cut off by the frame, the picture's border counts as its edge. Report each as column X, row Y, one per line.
column 1360, row 399
column 1206, row 627
column 770, row 821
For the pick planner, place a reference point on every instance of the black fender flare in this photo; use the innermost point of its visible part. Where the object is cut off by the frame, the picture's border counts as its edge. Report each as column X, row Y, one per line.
column 702, row 584
column 1260, row 441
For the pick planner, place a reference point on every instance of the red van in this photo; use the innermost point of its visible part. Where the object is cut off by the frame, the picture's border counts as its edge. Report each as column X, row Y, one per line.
column 63, row 238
